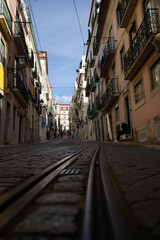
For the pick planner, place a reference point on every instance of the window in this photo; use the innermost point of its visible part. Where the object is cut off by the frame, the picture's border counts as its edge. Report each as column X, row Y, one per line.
column 155, row 74
column 2, row 53
column 138, row 92
column 118, row 14
column 122, row 57
column 132, row 32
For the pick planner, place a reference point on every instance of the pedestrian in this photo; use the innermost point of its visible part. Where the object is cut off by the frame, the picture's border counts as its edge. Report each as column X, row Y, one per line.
column 124, row 130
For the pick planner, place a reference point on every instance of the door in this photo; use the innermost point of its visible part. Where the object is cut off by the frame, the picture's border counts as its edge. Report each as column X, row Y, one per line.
column 127, row 112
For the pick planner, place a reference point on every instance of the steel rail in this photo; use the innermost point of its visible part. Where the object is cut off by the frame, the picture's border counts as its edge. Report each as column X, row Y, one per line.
column 115, row 215
column 15, row 200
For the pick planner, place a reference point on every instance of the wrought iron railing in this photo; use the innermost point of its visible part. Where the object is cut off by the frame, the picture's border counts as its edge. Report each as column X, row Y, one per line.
column 19, row 32
column 4, row 10
column 110, row 91
column 20, row 86
column 122, row 8
column 98, row 102
column 95, row 76
column 95, row 46
column 31, row 57
column 108, row 48
column 93, row 84
column 103, row 7
column 149, row 26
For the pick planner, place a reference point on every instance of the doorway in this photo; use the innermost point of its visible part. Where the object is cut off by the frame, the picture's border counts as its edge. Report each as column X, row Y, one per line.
column 127, row 112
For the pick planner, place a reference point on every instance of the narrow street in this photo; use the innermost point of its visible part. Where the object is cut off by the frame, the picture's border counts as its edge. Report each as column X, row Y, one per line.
column 57, row 212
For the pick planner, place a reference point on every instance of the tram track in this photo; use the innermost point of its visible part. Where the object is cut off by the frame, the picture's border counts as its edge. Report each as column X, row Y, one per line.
column 106, row 215
column 12, row 202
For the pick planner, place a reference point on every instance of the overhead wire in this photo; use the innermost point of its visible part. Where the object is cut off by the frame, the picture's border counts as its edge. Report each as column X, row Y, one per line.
column 78, row 22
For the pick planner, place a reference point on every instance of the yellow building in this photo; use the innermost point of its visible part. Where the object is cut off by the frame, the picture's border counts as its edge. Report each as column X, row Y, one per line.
column 5, row 35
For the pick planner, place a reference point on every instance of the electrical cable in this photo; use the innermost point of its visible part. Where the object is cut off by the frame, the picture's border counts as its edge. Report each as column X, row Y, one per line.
column 79, row 22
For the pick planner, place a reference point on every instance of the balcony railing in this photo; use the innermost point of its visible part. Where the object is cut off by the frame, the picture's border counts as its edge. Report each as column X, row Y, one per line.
column 30, row 86
column 102, row 12
column 20, row 39
column 91, row 60
column 88, row 88
column 141, row 45
column 108, row 54
column 34, row 71
column 126, row 9
column 98, row 102
column 4, row 11
column 31, row 58
column 20, row 90
column 93, row 85
column 95, row 46
column 96, row 77
column 111, row 94
column 93, row 111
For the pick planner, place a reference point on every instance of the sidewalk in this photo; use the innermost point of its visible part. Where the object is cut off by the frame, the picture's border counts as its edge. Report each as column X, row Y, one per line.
column 136, row 169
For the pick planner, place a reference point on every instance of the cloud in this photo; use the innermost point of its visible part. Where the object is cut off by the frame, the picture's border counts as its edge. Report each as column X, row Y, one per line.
column 63, row 99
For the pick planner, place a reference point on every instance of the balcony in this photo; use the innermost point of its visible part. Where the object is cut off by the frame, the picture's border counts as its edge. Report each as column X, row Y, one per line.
column 20, row 39
column 95, row 76
column 111, row 94
column 98, row 102
column 20, row 90
column 30, row 86
column 35, row 96
column 47, row 96
column 88, row 110
column 141, row 46
column 108, row 55
column 92, row 60
column 31, row 58
column 34, row 72
column 40, row 88
column 88, row 87
column 37, row 81
column 93, row 85
column 95, row 46
column 5, row 19
column 93, row 110
column 126, row 9
column 101, row 17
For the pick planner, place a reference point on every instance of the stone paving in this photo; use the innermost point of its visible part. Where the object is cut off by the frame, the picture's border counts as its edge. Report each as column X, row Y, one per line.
column 57, row 212
column 19, row 163
column 137, row 173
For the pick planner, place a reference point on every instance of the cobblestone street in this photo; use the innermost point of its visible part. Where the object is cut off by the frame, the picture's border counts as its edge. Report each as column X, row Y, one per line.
column 137, row 173
column 58, row 210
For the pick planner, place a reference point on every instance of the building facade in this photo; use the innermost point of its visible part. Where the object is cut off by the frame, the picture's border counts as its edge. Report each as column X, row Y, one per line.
column 63, row 121
column 79, row 105
column 21, row 71
column 122, row 74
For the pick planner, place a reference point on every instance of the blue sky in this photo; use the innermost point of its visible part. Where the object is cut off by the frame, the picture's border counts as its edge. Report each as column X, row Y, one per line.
column 60, row 36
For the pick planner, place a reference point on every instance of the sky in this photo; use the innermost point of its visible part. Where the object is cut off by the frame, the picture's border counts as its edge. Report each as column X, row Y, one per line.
column 59, row 35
